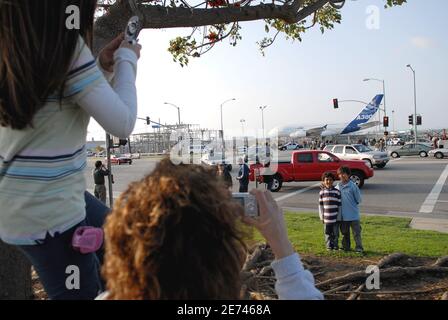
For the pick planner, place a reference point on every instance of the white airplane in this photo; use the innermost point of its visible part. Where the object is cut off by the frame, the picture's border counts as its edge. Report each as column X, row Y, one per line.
column 361, row 122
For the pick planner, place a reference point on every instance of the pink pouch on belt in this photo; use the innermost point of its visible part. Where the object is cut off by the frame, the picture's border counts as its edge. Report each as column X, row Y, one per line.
column 87, row 239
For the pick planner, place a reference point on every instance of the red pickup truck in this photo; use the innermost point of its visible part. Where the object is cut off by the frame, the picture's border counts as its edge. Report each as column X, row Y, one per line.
column 308, row 165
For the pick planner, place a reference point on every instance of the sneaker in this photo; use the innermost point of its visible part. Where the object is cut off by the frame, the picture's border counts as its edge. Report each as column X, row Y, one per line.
column 359, row 250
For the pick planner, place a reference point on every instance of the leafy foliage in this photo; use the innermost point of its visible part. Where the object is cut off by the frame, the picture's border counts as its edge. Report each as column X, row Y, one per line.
column 203, row 39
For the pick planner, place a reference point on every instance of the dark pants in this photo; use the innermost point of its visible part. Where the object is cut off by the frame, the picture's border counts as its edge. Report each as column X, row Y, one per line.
column 356, row 230
column 244, row 186
column 52, row 257
column 331, row 231
column 100, row 192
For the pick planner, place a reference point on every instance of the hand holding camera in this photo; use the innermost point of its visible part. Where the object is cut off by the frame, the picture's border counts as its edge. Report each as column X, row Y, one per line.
column 270, row 223
column 131, row 36
column 248, row 202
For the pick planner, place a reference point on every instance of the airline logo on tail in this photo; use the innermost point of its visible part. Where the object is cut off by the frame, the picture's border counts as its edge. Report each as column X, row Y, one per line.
column 365, row 115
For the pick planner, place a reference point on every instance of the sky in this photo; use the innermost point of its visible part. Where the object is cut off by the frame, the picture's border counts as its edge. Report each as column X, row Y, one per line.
column 298, row 80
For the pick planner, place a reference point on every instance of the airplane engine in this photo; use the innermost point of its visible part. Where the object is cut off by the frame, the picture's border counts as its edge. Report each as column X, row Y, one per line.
column 298, row 134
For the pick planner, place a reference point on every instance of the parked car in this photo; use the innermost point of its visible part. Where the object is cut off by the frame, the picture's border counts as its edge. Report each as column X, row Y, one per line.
column 215, row 158
column 135, row 155
column 395, row 142
column 411, row 149
column 439, row 153
column 290, row 146
column 308, row 166
column 119, row 159
column 373, row 158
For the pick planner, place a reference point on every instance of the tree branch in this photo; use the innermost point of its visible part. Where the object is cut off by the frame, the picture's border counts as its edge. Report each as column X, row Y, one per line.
column 157, row 17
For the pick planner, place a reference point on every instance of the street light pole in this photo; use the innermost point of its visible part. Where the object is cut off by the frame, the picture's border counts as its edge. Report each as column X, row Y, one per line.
column 393, row 120
column 242, row 125
column 222, row 125
column 178, row 110
column 262, row 118
column 415, row 104
column 384, row 97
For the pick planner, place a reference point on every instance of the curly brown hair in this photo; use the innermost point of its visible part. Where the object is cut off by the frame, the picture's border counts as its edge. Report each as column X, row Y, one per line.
column 174, row 235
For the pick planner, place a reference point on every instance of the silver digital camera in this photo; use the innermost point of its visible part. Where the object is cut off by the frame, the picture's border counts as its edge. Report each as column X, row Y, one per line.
column 132, row 30
column 248, row 202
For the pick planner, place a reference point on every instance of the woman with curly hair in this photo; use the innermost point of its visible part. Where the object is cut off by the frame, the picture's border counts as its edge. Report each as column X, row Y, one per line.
column 175, row 235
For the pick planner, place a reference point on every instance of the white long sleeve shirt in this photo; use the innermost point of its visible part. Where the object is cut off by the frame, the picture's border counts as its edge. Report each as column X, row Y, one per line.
column 293, row 281
column 41, row 167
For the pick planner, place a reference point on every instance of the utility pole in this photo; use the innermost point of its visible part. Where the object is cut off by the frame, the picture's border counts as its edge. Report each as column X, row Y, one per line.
column 415, row 104
column 384, row 98
column 262, row 118
column 178, row 110
column 242, row 125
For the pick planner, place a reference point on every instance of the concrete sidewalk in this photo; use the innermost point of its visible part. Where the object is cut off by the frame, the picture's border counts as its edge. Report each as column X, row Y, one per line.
column 440, row 225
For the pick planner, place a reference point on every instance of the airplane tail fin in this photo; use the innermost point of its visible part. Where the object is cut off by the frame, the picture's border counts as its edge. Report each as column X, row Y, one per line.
column 370, row 124
column 366, row 113
column 369, row 110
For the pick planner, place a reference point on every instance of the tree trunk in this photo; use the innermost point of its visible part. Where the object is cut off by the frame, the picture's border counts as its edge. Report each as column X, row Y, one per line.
column 15, row 274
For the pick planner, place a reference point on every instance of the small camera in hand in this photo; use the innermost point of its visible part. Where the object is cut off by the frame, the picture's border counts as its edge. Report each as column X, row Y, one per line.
column 132, row 30
column 248, row 202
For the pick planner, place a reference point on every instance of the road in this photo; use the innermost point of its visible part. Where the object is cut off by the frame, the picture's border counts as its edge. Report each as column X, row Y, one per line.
column 408, row 186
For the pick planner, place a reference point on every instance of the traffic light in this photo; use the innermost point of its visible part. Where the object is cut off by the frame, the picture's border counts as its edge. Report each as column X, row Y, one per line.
column 411, row 119
column 148, row 121
column 419, row 120
column 385, row 122
column 335, row 103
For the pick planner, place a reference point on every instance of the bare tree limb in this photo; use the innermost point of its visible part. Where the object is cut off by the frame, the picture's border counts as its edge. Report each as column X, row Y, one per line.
column 156, row 17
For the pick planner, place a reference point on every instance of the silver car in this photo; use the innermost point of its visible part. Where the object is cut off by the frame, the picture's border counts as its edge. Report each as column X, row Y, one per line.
column 439, row 153
column 411, row 149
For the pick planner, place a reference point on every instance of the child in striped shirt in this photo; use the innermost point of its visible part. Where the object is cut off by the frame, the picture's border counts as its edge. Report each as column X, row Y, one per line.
column 330, row 210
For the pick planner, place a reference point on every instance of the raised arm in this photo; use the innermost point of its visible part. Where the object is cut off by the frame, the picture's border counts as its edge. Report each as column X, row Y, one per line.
column 113, row 107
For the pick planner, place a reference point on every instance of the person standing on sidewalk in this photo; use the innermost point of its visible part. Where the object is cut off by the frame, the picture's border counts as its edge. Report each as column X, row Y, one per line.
column 243, row 175
column 225, row 175
column 99, row 173
column 351, row 198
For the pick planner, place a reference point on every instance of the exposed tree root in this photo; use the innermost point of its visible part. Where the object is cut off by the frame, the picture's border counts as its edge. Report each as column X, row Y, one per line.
column 259, row 278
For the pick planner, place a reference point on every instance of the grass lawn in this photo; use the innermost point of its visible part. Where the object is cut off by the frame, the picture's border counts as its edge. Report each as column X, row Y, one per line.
column 380, row 235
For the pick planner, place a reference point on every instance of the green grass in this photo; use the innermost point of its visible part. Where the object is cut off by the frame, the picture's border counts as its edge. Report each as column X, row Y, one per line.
column 380, row 235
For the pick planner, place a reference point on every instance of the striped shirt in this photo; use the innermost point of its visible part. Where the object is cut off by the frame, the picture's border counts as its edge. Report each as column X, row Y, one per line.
column 329, row 204
column 41, row 168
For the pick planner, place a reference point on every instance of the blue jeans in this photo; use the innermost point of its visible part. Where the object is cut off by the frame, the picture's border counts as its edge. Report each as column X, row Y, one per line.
column 52, row 257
